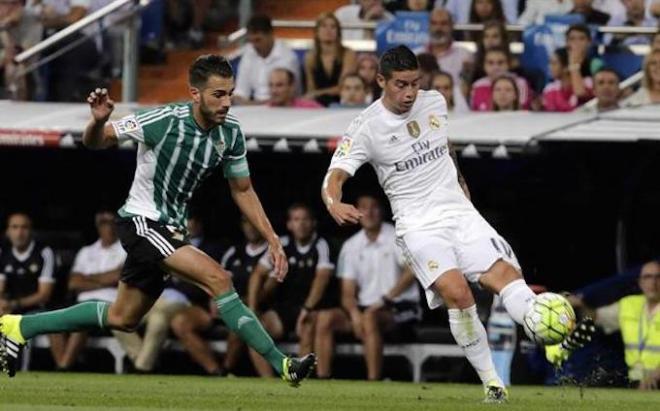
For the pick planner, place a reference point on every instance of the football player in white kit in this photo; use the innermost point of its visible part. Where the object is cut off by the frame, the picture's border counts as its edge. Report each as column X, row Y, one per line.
column 404, row 136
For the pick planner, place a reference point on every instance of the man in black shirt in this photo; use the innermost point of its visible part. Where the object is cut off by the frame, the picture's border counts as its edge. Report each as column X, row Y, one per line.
column 309, row 287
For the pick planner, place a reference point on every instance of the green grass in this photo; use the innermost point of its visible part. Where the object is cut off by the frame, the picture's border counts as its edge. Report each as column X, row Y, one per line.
column 55, row 392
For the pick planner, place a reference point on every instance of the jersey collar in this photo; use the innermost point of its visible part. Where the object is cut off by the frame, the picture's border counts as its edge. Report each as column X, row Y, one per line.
column 24, row 255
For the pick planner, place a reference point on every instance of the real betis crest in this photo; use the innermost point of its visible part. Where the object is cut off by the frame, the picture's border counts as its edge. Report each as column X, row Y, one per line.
column 220, row 145
column 413, row 129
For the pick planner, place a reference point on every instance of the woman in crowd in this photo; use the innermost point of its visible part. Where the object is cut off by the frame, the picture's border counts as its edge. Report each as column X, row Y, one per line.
column 327, row 61
column 569, row 89
column 493, row 35
column 649, row 93
column 482, row 11
column 506, row 96
column 444, row 83
column 496, row 64
column 367, row 68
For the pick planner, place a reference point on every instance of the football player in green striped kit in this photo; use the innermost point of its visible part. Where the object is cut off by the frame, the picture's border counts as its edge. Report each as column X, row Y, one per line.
column 178, row 146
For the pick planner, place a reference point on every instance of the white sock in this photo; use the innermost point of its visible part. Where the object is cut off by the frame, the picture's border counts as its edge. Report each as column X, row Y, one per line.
column 470, row 334
column 517, row 298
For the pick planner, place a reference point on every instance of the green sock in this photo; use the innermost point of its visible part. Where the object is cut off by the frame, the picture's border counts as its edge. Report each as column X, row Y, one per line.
column 83, row 316
column 243, row 322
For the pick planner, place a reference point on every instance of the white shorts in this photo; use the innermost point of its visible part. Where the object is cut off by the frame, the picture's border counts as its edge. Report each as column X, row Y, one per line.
column 466, row 243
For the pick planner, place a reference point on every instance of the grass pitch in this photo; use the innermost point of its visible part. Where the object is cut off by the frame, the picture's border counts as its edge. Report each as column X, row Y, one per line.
column 56, row 392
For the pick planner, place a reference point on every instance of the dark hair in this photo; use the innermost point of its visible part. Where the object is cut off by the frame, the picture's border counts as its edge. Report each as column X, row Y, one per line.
column 259, row 23
column 369, row 195
column 512, row 81
column 19, row 213
column 206, row 66
column 582, row 28
column 399, row 58
column 300, row 206
column 503, row 50
column 353, row 75
column 562, row 56
column 498, row 13
column 441, row 73
column 290, row 76
column 607, row 70
column 427, row 62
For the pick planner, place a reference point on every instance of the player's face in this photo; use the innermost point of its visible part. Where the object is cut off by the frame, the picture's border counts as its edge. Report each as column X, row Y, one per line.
column 400, row 90
column 504, row 95
column 300, row 224
column 214, row 99
column 372, row 215
column 250, row 232
column 105, row 226
column 649, row 281
column 495, row 64
column 19, row 231
column 492, row 38
column 352, row 91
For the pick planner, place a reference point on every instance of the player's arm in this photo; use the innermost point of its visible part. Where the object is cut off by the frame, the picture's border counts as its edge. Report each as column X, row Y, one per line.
column 98, row 134
column 461, row 179
column 331, row 192
column 248, row 202
column 79, row 282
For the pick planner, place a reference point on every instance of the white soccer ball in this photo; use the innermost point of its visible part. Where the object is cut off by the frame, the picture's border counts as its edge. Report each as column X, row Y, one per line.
column 550, row 320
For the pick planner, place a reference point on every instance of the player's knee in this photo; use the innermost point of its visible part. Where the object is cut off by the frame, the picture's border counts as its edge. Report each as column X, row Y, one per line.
column 123, row 323
column 499, row 275
column 457, row 295
column 219, row 282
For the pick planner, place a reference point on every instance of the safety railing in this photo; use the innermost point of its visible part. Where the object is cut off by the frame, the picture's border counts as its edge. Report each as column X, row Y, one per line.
column 131, row 39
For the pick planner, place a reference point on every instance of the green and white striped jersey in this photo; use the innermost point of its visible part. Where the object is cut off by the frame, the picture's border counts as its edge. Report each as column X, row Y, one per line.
column 174, row 155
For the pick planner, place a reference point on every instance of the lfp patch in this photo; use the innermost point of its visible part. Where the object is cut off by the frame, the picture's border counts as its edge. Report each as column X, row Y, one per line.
column 344, row 147
column 127, row 125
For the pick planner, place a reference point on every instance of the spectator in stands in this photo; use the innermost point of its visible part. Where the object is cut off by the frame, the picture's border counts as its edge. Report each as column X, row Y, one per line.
column 569, row 89
column 283, row 91
column 185, row 21
column 506, row 96
column 452, row 58
column 364, row 11
column 493, row 35
column 18, row 31
column 536, row 10
column 353, row 92
column 367, row 68
column 27, row 273
column 636, row 16
column 428, row 65
column 327, row 61
column 74, row 73
column 655, row 41
column 607, row 91
column 654, row 8
column 591, row 15
column 94, row 277
column 460, row 9
column 496, row 64
column 443, row 82
column 581, row 50
column 482, row 11
column 636, row 317
column 309, row 289
column 378, row 292
column 649, row 92
column 190, row 323
column 263, row 54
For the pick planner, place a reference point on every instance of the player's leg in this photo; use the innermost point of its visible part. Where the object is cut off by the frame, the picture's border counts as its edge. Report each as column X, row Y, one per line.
column 505, row 280
column 274, row 326
column 187, row 325
column 374, row 322
column 328, row 323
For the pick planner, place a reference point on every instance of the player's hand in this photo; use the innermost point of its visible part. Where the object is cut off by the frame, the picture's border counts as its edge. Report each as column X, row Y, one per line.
column 101, row 104
column 344, row 213
column 279, row 260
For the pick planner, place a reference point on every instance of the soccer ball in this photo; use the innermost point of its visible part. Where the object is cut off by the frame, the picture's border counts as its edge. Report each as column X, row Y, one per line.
column 550, row 319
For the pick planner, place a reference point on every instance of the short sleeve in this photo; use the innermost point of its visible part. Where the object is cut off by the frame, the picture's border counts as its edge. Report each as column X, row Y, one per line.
column 234, row 162
column 243, row 84
column 352, row 151
column 48, row 268
column 79, row 263
column 345, row 263
column 224, row 262
column 323, row 251
column 148, row 126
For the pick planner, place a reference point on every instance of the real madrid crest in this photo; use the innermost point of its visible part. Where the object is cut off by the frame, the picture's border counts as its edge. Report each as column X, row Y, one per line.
column 434, row 122
column 413, row 129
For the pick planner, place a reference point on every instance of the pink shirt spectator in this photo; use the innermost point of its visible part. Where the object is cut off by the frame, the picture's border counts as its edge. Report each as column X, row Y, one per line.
column 302, row 103
column 556, row 98
column 481, row 97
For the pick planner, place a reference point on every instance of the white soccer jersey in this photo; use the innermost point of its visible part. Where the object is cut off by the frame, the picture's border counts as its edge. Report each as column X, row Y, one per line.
column 411, row 157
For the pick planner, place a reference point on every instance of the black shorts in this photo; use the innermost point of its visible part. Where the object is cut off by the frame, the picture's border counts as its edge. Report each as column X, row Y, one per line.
column 147, row 244
column 404, row 312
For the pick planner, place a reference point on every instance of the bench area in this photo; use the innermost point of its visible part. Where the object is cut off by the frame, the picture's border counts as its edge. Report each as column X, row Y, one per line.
column 416, row 353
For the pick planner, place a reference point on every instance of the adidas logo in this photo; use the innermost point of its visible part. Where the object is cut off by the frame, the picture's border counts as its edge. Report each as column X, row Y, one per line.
column 244, row 320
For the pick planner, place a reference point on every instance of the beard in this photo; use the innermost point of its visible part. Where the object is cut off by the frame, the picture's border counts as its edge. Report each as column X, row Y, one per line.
column 208, row 114
column 439, row 38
